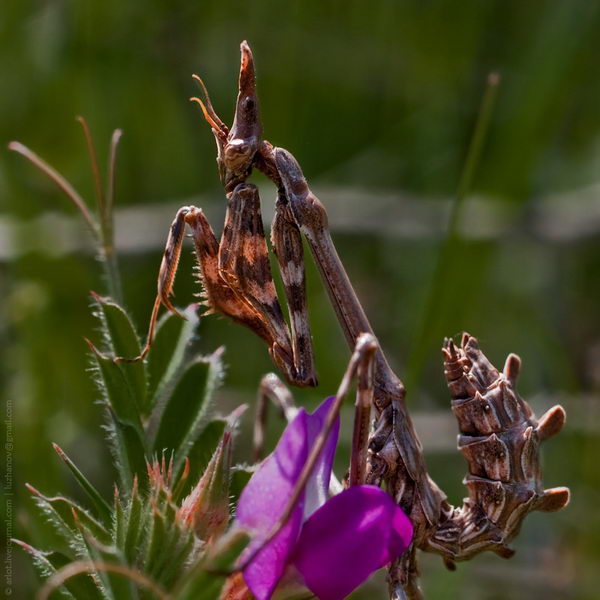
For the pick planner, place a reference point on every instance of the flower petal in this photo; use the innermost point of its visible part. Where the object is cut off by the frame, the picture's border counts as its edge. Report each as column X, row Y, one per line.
column 317, row 487
column 263, row 500
column 354, row 534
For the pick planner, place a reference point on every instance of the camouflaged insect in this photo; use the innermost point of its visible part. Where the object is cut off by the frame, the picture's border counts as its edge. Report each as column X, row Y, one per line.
column 499, row 435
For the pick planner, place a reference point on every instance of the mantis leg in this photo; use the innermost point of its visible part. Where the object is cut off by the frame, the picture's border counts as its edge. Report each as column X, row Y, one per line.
column 219, row 296
column 397, row 438
column 244, row 266
column 287, row 244
column 166, row 277
column 270, row 388
column 360, row 363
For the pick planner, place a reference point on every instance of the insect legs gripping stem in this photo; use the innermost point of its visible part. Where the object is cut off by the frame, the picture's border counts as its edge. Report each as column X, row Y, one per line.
column 235, row 273
column 499, row 435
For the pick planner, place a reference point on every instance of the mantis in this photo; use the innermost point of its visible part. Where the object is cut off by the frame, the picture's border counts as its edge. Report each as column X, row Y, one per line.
column 500, row 436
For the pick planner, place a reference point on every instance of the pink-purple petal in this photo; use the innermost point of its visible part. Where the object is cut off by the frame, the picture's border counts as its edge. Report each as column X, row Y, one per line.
column 353, row 535
column 262, row 502
column 317, row 487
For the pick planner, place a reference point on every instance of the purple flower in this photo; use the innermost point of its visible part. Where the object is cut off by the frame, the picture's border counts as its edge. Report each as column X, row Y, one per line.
column 333, row 543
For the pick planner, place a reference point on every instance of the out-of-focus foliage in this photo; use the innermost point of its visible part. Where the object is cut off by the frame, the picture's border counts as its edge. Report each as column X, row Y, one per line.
column 378, row 102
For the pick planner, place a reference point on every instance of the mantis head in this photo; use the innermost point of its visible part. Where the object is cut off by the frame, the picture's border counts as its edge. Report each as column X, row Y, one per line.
column 236, row 147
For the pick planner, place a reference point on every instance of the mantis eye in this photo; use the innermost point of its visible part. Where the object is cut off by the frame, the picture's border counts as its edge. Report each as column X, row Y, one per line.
column 237, row 152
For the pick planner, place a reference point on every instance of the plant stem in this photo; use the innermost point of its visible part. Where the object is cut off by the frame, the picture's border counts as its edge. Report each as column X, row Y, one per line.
column 61, row 182
column 431, row 313
column 106, row 224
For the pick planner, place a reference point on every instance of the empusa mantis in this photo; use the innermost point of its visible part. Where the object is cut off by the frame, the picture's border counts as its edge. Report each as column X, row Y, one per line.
column 500, row 436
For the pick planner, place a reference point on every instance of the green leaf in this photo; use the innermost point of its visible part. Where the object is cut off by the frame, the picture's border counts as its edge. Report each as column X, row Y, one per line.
column 202, row 586
column 204, row 582
column 167, row 568
column 81, row 585
column 123, row 341
column 186, row 413
column 70, row 515
column 118, row 392
column 60, row 520
column 156, row 547
column 129, row 452
column 174, row 567
column 204, row 447
column 135, row 522
column 93, row 494
column 119, row 522
column 116, row 586
column 47, row 563
column 128, row 437
column 172, row 338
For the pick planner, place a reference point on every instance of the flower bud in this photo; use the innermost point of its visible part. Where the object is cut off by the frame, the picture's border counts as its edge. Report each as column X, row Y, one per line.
column 206, row 509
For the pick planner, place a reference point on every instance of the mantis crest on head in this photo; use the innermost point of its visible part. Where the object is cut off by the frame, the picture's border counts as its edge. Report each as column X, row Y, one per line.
column 500, row 436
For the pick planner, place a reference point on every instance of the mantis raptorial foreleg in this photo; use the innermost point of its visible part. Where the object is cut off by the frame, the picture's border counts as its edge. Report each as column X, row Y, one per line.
column 235, row 273
column 244, row 265
column 236, row 278
column 287, row 245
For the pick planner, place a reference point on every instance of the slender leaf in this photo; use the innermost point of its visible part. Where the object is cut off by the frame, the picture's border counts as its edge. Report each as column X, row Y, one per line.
column 124, row 342
column 156, row 547
column 47, row 563
column 128, row 450
column 186, row 413
column 205, row 581
column 61, row 521
column 102, row 507
column 119, row 522
column 115, row 585
column 176, row 539
column 173, row 336
column 135, row 521
column 71, row 514
column 81, row 586
column 128, row 436
column 179, row 560
column 186, row 401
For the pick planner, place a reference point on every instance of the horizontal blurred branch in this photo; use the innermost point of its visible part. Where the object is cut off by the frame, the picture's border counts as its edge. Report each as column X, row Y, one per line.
column 560, row 218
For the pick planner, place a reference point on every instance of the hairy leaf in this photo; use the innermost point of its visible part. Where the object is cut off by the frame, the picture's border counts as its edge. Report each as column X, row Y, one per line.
column 204, row 582
column 172, row 338
column 186, row 413
column 128, row 435
column 123, row 342
column 102, row 507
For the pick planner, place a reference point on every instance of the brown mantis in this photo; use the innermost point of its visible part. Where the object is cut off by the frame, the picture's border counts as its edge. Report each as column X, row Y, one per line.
column 499, row 435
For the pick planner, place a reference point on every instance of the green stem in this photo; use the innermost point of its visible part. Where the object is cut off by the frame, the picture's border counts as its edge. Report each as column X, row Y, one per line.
column 61, row 182
column 107, row 227
column 112, row 275
column 102, row 232
column 431, row 314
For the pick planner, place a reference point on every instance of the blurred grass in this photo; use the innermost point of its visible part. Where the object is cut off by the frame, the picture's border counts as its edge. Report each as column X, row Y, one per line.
column 378, row 98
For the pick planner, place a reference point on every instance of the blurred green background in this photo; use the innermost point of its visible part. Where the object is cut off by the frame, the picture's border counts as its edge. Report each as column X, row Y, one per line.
column 378, row 101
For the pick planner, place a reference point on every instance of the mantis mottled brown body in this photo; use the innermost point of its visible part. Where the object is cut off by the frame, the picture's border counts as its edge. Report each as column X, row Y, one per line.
column 499, row 435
